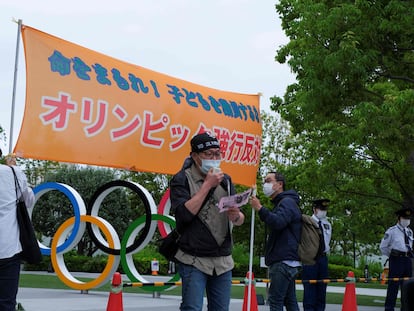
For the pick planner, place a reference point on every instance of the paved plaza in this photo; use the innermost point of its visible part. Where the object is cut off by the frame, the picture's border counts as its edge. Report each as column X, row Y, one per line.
column 33, row 299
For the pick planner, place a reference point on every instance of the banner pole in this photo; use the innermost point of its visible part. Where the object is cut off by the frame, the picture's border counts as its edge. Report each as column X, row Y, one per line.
column 16, row 61
column 249, row 288
column 249, row 292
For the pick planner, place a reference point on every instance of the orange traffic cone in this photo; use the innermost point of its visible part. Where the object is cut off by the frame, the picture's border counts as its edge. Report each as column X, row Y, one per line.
column 115, row 296
column 350, row 302
column 384, row 276
column 253, row 298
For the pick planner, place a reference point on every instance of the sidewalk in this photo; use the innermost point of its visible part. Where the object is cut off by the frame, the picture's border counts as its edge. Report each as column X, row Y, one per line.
column 34, row 299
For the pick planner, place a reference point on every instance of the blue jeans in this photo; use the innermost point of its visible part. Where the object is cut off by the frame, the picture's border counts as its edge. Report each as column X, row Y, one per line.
column 314, row 295
column 282, row 291
column 195, row 282
column 9, row 282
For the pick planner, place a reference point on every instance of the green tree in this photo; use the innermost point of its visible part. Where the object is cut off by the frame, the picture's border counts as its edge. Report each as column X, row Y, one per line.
column 351, row 110
column 156, row 184
column 36, row 170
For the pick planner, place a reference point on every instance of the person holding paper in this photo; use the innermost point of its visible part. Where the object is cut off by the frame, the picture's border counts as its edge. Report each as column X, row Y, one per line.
column 204, row 257
column 284, row 221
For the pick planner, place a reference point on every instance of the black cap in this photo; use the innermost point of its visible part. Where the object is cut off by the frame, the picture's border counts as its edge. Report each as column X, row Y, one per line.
column 405, row 212
column 322, row 204
column 204, row 141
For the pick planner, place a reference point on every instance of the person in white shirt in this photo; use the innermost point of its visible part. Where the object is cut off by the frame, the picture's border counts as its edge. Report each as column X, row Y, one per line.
column 10, row 247
column 314, row 295
column 397, row 244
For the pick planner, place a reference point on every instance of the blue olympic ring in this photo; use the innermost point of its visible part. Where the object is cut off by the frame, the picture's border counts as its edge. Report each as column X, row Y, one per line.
column 78, row 208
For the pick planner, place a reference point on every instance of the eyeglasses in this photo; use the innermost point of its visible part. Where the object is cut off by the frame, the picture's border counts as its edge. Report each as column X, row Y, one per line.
column 211, row 154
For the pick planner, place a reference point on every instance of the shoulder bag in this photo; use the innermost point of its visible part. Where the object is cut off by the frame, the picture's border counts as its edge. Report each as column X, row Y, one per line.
column 31, row 251
column 168, row 246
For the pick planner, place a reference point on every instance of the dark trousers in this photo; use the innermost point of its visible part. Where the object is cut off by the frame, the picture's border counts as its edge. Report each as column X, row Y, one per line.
column 9, row 282
column 407, row 296
column 399, row 267
column 314, row 295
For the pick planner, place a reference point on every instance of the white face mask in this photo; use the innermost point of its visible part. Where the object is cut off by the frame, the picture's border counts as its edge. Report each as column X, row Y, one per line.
column 206, row 165
column 268, row 189
column 320, row 214
column 405, row 222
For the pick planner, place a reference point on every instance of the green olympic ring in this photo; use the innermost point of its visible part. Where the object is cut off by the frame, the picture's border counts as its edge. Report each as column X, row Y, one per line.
column 126, row 258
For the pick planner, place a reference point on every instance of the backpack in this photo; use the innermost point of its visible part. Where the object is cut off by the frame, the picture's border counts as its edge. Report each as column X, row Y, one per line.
column 309, row 241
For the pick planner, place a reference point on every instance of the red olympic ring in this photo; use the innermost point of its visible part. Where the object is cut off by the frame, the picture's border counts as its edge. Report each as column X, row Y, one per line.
column 164, row 209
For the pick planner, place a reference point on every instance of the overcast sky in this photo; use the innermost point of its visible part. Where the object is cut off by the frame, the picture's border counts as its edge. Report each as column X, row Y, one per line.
column 224, row 44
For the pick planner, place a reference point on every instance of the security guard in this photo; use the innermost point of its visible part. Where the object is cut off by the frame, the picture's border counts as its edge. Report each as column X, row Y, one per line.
column 314, row 295
column 397, row 244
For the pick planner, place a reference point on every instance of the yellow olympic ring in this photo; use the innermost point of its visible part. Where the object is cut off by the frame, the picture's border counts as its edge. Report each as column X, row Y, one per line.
column 58, row 260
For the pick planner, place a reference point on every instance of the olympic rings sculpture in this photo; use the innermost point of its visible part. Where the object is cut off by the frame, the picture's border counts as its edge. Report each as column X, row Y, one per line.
column 138, row 234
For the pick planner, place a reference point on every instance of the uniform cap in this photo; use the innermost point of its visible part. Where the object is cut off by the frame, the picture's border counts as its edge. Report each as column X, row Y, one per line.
column 405, row 212
column 322, row 204
column 204, row 141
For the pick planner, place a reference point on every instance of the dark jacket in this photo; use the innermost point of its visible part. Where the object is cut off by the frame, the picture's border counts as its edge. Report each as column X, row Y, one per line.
column 196, row 238
column 284, row 222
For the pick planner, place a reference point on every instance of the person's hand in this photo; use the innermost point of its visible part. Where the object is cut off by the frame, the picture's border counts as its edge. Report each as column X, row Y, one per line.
column 255, row 203
column 214, row 177
column 233, row 213
column 11, row 159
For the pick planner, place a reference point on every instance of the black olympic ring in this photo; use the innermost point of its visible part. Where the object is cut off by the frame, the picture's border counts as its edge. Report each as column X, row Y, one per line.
column 96, row 202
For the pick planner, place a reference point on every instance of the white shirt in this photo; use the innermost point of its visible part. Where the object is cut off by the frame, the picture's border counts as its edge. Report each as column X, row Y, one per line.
column 9, row 230
column 394, row 239
column 327, row 231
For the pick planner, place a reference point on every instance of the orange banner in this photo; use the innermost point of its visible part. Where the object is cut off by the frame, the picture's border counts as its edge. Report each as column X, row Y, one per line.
column 86, row 107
